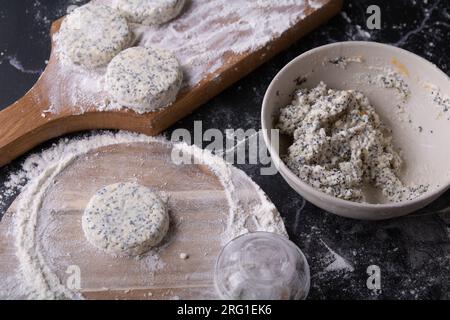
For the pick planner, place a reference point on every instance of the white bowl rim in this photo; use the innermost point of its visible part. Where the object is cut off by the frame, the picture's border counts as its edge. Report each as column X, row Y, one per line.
column 282, row 167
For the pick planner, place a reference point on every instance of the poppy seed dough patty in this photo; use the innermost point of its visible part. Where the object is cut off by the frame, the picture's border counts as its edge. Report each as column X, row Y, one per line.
column 149, row 12
column 144, row 79
column 93, row 34
column 125, row 219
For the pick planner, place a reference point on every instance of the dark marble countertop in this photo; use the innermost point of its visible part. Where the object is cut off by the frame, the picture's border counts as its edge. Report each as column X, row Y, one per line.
column 413, row 252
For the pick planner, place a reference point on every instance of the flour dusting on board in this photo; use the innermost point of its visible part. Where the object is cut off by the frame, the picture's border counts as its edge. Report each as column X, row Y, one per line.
column 338, row 263
column 207, row 31
column 43, row 255
column 203, row 38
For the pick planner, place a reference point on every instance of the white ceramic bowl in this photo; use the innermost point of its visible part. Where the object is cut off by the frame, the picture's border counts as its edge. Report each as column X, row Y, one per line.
column 421, row 128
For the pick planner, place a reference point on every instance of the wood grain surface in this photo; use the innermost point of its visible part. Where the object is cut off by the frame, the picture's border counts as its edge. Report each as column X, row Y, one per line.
column 23, row 126
column 199, row 215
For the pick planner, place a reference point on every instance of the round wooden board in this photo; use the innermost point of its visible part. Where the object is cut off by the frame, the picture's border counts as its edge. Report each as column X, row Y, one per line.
column 24, row 127
column 199, row 212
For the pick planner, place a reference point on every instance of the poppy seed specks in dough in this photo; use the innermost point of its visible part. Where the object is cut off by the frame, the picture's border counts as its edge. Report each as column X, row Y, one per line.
column 125, row 219
column 340, row 144
column 149, row 12
column 93, row 34
column 144, row 79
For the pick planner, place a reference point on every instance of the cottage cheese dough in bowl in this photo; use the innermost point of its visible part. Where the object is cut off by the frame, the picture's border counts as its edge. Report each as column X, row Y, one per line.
column 410, row 97
column 125, row 219
column 93, row 34
column 149, row 12
column 144, row 79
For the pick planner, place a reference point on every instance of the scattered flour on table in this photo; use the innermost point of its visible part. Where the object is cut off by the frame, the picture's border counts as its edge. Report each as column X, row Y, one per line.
column 14, row 62
column 37, row 280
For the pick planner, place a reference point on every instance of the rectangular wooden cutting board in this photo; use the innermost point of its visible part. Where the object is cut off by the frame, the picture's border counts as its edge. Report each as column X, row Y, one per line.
column 217, row 43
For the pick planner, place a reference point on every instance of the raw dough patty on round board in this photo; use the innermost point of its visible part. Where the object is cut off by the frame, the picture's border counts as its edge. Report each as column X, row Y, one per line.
column 93, row 34
column 125, row 219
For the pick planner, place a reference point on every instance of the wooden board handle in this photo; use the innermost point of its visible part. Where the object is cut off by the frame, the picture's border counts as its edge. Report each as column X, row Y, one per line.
column 20, row 124
column 25, row 124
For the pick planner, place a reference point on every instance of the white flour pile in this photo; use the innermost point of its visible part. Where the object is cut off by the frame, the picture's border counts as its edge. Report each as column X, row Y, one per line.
column 337, row 263
column 202, row 38
column 35, row 279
